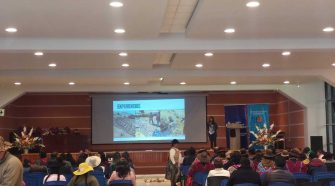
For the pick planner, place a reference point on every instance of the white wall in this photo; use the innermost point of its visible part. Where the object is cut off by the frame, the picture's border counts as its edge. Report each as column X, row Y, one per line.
column 9, row 94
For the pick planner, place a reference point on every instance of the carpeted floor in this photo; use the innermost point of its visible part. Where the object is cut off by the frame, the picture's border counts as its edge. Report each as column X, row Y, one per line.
column 151, row 180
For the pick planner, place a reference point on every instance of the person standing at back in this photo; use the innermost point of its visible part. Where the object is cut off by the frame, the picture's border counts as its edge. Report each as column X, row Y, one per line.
column 11, row 169
column 212, row 128
column 174, row 160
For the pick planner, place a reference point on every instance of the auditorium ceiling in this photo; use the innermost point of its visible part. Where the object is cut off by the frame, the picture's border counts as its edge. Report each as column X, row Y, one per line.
column 164, row 43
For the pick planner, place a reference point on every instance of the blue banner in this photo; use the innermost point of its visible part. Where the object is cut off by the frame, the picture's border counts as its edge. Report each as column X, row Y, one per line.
column 258, row 115
column 233, row 114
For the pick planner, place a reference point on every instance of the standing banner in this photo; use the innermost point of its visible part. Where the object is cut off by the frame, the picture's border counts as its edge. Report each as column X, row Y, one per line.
column 258, row 115
column 233, row 114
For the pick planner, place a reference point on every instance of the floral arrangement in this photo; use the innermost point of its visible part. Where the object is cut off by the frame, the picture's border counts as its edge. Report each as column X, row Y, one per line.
column 26, row 140
column 265, row 136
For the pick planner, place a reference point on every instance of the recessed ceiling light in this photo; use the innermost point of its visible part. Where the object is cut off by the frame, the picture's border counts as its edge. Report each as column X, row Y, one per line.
column 208, row 54
column 229, row 30
column 126, row 83
column 266, row 65
column 116, row 4
column 38, row 53
column 161, row 79
column 199, row 65
column 17, row 83
column 11, row 29
column 333, row 64
column 123, row 54
column 183, row 83
column 286, row 82
column 328, row 29
column 253, row 4
column 119, row 30
column 286, row 53
column 125, row 65
column 233, row 82
column 72, row 83
column 52, row 65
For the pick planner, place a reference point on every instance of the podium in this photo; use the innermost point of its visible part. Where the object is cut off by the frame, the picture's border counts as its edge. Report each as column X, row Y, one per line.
column 235, row 135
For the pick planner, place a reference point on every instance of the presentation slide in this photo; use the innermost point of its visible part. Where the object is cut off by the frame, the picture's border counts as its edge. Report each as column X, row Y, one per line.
column 148, row 120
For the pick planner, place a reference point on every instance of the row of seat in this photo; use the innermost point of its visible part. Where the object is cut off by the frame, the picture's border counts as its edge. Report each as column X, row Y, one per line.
column 36, row 179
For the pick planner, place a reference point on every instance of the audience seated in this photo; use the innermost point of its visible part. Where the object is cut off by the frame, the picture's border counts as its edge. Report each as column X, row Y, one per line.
column 125, row 156
column 123, row 172
column 218, row 171
column 54, row 172
column 266, row 165
column 294, row 165
column 315, row 165
column 115, row 159
column 26, row 166
column 244, row 174
column 37, row 167
column 279, row 174
column 234, row 161
column 330, row 163
column 202, row 164
column 81, row 176
column 285, row 154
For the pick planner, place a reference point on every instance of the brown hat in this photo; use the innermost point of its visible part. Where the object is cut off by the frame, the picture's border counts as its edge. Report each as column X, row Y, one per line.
column 4, row 145
column 284, row 153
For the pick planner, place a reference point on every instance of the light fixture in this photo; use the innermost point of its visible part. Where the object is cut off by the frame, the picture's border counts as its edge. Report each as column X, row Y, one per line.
column 119, row 30
column 229, row 30
column 38, row 53
column 183, row 83
column 52, row 65
column 266, row 65
column 72, row 83
column 328, row 29
column 208, row 54
column 17, row 83
column 125, row 65
column 161, row 79
column 286, row 82
column 11, row 29
column 116, row 4
column 253, row 4
column 126, row 83
column 333, row 64
column 233, row 82
column 123, row 54
column 199, row 65
column 286, row 53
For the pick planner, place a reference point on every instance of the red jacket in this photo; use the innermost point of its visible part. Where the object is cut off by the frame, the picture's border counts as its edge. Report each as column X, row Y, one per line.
column 296, row 166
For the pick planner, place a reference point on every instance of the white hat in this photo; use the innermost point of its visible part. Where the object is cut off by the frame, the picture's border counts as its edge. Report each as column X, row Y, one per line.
column 93, row 161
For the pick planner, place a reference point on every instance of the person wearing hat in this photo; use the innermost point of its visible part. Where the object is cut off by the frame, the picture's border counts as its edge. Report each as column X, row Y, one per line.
column 54, row 172
column 94, row 161
column 81, row 176
column 285, row 154
column 294, row 165
column 172, row 169
column 11, row 169
column 266, row 165
column 202, row 165
column 244, row 174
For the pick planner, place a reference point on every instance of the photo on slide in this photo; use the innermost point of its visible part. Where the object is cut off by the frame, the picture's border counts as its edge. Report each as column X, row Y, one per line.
column 141, row 120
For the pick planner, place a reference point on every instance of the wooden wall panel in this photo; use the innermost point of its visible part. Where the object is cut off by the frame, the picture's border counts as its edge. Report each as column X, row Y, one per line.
column 297, row 117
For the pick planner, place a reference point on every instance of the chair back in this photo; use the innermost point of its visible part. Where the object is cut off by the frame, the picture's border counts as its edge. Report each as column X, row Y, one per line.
column 100, row 177
column 121, row 183
column 217, row 180
column 324, row 178
column 302, row 178
column 281, row 184
column 68, row 177
column 246, row 184
column 55, row 183
column 34, row 178
column 200, row 178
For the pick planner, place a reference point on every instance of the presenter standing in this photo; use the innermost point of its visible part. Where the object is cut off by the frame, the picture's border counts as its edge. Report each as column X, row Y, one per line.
column 174, row 160
column 212, row 128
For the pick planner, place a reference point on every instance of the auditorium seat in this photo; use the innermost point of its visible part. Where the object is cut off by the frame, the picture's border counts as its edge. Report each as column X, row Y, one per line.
column 121, row 183
column 100, row 177
column 246, row 184
column 55, row 183
column 200, row 178
column 324, row 178
column 217, row 180
column 34, row 178
column 302, row 179
column 281, row 184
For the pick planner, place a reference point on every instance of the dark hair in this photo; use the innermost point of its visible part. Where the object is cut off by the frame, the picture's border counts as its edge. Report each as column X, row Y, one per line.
column 328, row 156
column 191, row 151
column 43, row 154
column 116, row 156
column 126, row 156
column 312, row 155
column 122, row 168
column 306, row 150
column 26, row 163
column 211, row 118
column 251, row 151
column 280, row 161
column 235, row 157
column 218, row 162
column 245, row 162
column 173, row 142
